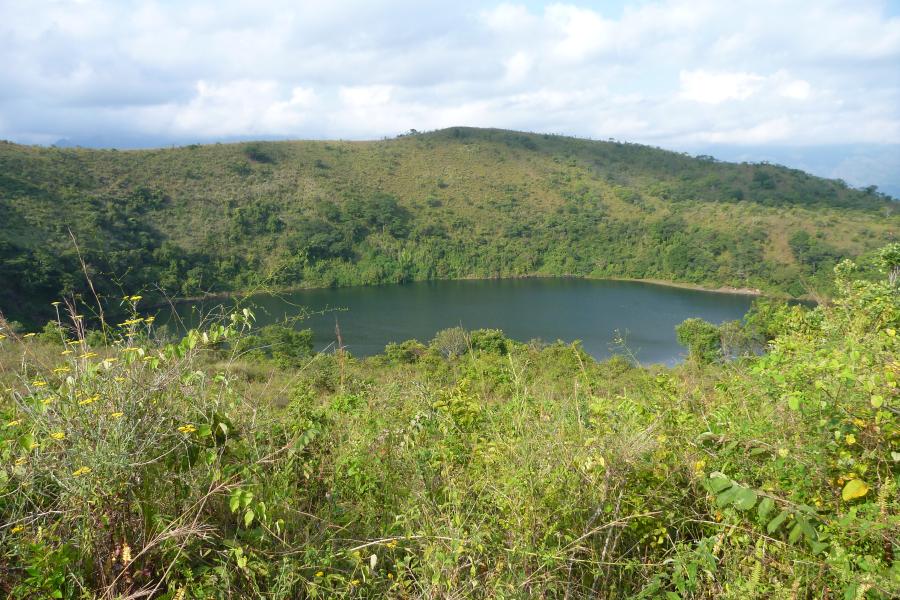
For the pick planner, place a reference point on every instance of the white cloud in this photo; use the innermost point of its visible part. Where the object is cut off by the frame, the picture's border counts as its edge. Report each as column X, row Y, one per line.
column 236, row 108
column 714, row 88
column 666, row 72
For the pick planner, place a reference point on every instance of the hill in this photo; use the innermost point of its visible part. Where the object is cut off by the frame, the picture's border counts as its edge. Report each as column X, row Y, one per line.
column 453, row 203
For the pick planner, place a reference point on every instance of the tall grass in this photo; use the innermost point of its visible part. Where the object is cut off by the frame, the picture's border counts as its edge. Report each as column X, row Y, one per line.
column 135, row 468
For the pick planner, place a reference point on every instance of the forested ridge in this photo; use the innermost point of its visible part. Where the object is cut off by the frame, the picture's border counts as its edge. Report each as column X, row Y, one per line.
column 454, row 203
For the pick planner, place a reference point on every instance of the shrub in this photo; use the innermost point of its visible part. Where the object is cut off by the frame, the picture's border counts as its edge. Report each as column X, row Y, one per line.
column 451, row 342
column 488, row 340
column 406, row 352
column 701, row 338
column 287, row 346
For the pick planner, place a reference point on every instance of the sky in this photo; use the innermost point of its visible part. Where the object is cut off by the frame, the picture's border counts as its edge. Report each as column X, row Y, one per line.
column 813, row 84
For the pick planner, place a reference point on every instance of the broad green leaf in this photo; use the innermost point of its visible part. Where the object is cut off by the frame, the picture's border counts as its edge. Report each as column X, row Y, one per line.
column 26, row 441
column 794, row 402
column 728, row 496
column 775, row 523
column 796, row 532
column 808, row 530
column 745, row 499
column 765, row 507
column 248, row 517
column 818, row 547
column 877, row 401
column 234, row 502
column 718, row 483
column 855, row 488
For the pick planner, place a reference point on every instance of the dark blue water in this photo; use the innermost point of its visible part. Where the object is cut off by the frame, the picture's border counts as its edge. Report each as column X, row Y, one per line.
column 595, row 312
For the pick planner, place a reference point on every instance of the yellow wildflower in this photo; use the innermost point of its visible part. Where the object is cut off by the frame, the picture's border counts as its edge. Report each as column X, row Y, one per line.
column 57, row 435
column 187, row 428
column 89, row 400
column 135, row 298
column 21, row 461
column 14, row 423
column 88, row 355
column 63, row 369
column 126, row 554
column 149, row 319
column 320, row 574
column 81, row 471
column 850, row 439
column 57, row 303
column 28, row 335
column 17, row 529
column 119, row 379
column 38, row 383
column 2, row 337
column 116, row 415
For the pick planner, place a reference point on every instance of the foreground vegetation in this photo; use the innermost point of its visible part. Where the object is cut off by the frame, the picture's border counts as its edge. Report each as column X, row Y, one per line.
column 455, row 203
column 234, row 463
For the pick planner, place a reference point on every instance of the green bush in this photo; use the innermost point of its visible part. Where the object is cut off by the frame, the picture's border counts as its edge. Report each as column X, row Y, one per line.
column 701, row 338
column 287, row 346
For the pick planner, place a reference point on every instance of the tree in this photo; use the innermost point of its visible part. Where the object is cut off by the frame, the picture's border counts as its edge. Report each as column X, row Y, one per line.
column 701, row 338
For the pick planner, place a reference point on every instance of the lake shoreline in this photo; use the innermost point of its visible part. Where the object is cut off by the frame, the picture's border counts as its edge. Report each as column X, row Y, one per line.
column 744, row 291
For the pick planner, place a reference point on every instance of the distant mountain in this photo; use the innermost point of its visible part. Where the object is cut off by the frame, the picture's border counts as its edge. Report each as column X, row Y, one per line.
column 458, row 202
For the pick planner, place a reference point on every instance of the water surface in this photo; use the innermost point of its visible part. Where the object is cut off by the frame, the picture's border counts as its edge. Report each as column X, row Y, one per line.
column 595, row 312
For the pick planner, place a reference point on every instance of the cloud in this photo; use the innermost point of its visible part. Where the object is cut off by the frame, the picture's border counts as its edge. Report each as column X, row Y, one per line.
column 675, row 73
column 714, row 88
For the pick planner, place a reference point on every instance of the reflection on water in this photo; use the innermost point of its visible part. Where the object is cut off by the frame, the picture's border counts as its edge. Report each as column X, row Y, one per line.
column 595, row 312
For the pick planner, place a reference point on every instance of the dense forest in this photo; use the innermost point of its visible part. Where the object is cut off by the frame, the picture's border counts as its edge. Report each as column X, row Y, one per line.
column 454, row 203
column 234, row 463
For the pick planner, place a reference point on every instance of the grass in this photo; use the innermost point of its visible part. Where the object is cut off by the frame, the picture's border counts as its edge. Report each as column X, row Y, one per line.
column 471, row 466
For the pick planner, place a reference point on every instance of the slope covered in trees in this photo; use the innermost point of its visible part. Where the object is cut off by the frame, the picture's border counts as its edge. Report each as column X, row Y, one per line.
column 453, row 203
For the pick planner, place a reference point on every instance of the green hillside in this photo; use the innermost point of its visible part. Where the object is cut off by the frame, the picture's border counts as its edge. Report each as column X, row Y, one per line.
column 449, row 204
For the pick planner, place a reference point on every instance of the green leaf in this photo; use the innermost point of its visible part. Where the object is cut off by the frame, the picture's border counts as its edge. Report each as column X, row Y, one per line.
column 794, row 402
column 855, row 488
column 235, row 501
column 796, row 532
column 877, row 401
column 26, row 441
column 728, row 496
column 718, row 483
column 765, row 507
column 818, row 547
column 248, row 517
column 745, row 499
column 775, row 523
column 808, row 530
